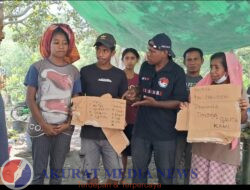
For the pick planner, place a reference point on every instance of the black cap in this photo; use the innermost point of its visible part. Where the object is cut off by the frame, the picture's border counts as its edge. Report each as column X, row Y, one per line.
column 106, row 39
column 162, row 42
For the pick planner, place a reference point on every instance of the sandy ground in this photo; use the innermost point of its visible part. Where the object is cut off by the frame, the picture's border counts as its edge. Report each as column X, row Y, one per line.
column 73, row 163
column 20, row 149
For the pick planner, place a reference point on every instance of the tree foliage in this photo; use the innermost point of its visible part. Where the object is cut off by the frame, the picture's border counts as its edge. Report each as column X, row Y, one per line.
column 30, row 18
column 24, row 24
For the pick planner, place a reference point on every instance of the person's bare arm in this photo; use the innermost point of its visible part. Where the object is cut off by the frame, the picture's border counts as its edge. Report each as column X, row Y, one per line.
column 31, row 101
column 149, row 101
column 243, row 106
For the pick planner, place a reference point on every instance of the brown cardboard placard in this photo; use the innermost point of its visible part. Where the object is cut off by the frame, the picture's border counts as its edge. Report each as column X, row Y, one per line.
column 182, row 120
column 220, row 123
column 79, row 110
column 117, row 139
column 104, row 112
column 213, row 114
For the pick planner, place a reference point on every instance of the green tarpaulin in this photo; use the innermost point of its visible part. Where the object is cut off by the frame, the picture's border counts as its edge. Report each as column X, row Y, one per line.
column 210, row 25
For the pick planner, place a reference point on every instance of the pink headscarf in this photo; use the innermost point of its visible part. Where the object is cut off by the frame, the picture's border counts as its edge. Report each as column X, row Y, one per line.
column 234, row 69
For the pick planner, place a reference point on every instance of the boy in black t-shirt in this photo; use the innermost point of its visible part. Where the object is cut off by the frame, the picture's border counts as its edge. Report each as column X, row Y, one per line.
column 98, row 79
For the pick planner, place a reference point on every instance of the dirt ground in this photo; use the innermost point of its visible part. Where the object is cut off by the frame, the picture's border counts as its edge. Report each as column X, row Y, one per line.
column 73, row 163
column 20, row 149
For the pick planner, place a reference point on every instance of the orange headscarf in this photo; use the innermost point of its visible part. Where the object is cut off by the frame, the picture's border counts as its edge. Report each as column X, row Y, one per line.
column 234, row 69
column 72, row 54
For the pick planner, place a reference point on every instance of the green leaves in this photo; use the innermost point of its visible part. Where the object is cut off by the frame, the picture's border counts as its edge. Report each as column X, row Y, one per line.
column 30, row 19
column 245, row 133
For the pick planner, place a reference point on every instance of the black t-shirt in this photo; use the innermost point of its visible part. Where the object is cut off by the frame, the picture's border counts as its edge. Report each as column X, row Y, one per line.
column 192, row 81
column 167, row 84
column 97, row 82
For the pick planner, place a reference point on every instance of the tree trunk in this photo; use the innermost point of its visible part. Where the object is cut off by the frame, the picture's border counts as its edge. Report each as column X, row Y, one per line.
column 1, row 21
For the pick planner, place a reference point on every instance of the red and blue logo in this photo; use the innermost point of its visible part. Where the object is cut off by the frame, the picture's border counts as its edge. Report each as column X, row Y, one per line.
column 163, row 82
column 16, row 173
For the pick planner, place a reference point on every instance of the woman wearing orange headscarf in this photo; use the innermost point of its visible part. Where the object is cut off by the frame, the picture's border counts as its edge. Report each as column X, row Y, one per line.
column 216, row 163
column 51, row 82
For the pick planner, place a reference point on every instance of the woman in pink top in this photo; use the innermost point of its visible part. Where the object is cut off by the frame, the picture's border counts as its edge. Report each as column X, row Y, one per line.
column 216, row 163
column 130, row 58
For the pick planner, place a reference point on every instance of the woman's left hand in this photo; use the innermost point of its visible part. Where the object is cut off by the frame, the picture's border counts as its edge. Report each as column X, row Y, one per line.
column 243, row 104
column 234, row 143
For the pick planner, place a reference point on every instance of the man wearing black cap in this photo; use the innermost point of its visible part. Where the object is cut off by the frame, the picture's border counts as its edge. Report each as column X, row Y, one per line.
column 98, row 79
column 163, row 85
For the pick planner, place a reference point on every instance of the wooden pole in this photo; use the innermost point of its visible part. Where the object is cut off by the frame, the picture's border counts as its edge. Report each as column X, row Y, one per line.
column 1, row 34
column 1, row 21
column 1, row 107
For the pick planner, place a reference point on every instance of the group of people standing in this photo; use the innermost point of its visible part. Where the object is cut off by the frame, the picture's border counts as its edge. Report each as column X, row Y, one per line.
column 53, row 81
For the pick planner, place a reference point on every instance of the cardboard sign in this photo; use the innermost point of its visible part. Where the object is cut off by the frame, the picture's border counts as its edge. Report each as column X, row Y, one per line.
column 104, row 112
column 213, row 114
column 117, row 139
column 182, row 120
